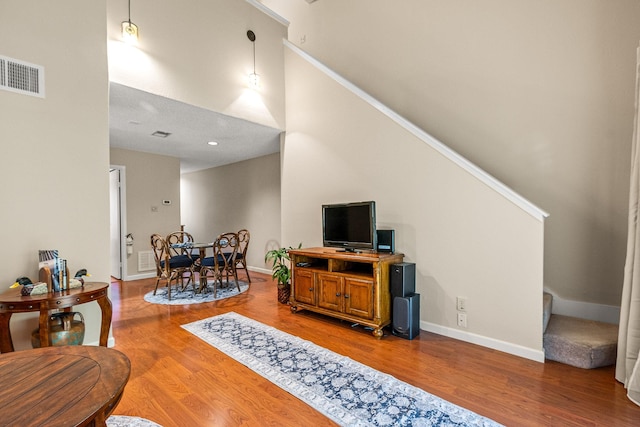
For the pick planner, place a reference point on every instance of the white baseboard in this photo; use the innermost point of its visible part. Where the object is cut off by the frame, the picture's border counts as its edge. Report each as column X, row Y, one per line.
column 585, row 310
column 111, row 342
column 260, row 270
column 516, row 350
column 140, row 276
column 153, row 274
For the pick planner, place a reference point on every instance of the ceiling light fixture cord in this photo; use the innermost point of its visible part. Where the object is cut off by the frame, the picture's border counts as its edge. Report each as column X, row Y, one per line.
column 253, row 77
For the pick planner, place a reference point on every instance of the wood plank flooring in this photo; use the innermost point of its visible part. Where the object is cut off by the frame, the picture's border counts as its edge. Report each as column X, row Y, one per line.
column 179, row 380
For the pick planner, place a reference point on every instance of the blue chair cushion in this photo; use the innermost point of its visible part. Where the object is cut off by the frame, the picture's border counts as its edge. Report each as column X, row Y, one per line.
column 179, row 261
column 223, row 256
column 207, row 262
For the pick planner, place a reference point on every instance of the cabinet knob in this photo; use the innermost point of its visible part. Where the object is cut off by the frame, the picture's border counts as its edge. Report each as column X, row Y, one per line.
column 346, row 295
column 310, row 289
column 338, row 294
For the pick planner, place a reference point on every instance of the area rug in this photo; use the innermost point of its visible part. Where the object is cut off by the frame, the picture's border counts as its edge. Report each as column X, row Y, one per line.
column 126, row 421
column 346, row 391
column 187, row 296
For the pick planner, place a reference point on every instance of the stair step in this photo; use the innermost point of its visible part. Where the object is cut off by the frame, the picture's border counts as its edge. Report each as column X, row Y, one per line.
column 579, row 342
column 547, row 300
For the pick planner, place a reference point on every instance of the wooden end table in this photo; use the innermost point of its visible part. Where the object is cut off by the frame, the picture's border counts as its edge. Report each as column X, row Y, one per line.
column 12, row 301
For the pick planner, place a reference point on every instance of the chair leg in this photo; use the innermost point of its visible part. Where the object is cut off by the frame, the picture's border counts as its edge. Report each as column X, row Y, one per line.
column 157, row 283
column 215, row 285
column 246, row 271
column 235, row 278
column 203, row 281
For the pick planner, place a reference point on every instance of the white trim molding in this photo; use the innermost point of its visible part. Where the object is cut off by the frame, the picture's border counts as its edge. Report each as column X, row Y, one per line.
column 268, row 12
column 585, row 310
column 506, row 347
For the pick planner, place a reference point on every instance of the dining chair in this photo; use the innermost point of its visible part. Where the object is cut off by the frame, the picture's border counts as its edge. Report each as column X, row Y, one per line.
column 180, row 250
column 181, row 244
column 228, row 243
column 166, row 268
column 219, row 264
column 241, row 256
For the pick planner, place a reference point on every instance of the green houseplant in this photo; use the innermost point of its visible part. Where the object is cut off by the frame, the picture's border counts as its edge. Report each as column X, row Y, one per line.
column 281, row 271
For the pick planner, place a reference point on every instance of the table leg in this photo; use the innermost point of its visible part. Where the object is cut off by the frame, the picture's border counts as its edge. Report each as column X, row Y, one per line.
column 6, row 343
column 44, row 327
column 105, row 307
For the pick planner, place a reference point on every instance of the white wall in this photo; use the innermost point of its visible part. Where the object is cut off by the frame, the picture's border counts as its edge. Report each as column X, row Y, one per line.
column 538, row 93
column 229, row 198
column 150, row 179
column 466, row 239
column 55, row 175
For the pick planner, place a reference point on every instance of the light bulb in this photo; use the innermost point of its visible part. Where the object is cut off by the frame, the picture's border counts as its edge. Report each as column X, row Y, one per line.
column 129, row 32
column 254, row 80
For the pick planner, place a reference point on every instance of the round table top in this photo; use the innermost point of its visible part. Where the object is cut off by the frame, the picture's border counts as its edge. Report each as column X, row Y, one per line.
column 12, row 301
column 61, row 386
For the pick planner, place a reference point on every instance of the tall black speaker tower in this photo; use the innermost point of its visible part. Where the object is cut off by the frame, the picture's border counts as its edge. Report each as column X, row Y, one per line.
column 406, row 316
column 405, row 307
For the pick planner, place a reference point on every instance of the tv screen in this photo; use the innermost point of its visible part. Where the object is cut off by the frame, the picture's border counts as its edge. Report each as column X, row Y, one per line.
column 351, row 226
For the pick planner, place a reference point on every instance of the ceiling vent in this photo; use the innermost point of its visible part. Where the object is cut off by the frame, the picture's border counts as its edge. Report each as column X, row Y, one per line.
column 21, row 77
column 161, row 134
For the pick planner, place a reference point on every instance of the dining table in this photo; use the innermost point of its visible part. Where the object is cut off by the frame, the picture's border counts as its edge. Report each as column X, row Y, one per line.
column 202, row 248
column 202, row 252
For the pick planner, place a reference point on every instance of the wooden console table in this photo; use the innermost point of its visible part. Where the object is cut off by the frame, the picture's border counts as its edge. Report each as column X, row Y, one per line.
column 61, row 386
column 13, row 301
column 346, row 285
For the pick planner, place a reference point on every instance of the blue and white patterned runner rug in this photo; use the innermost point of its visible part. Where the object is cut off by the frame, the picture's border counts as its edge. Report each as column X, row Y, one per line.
column 346, row 391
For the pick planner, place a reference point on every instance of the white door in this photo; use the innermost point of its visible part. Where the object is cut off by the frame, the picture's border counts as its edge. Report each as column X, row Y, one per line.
column 116, row 229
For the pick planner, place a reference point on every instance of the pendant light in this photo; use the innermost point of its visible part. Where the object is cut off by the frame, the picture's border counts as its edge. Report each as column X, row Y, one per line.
column 129, row 29
column 254, row 78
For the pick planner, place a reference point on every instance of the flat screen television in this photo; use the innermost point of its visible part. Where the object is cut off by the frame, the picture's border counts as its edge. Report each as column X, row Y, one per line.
column 351, row 226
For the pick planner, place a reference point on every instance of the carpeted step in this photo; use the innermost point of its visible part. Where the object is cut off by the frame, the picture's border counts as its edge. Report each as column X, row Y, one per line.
column 579, row 342
column 547, row 300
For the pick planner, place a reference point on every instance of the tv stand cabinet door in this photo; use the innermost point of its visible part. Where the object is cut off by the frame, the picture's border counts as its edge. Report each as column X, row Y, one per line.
column 330, row 292
column 358, row 297
column 304, row 289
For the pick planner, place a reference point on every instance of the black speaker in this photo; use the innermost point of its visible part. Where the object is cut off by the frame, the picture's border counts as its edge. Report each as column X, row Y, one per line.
column 386, row 241
column 402, row 279
column 406, row 316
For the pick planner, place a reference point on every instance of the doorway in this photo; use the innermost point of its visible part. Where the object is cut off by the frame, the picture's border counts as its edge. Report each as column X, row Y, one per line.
column 117, row 221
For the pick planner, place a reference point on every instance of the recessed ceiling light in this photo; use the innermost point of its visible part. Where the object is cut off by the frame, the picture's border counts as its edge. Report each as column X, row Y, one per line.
column 134, row 122
column 212, row 143
column 161, row 134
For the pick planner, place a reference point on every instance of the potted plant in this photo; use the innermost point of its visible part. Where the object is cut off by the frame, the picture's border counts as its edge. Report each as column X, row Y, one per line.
column 281, row 271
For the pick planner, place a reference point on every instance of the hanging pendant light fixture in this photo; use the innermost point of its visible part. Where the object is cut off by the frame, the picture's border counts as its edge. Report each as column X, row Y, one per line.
column 254, row 78
column 129, row 29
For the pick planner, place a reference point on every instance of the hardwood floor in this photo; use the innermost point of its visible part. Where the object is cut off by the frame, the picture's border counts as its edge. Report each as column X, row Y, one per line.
column 179, row 380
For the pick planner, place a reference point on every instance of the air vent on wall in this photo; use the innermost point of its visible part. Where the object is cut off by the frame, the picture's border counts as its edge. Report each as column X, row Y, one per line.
column 146, row 262
column 21, row 77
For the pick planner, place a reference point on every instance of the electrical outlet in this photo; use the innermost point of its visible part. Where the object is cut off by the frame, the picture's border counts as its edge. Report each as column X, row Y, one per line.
column 461, row 304
column 462, row 320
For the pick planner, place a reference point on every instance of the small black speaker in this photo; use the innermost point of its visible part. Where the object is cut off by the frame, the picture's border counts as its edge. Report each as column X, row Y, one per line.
column 386, row 241
column 402, row 279
column 406, row 316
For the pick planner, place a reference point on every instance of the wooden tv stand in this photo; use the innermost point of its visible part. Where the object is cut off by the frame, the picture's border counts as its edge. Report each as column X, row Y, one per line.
column 346, row 285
